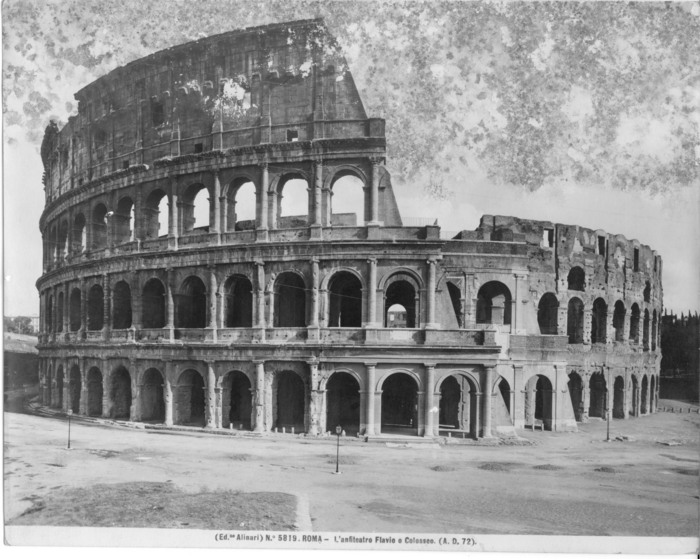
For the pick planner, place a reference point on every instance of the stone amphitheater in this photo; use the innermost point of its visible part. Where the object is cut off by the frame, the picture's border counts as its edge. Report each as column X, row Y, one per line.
column 223, row 249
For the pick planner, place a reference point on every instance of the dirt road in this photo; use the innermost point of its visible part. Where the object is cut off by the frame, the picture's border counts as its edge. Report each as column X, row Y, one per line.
column 564, row 484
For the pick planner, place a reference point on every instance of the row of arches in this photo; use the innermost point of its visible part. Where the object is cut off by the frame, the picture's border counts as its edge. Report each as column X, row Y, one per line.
column 643, row 396
column 576, row 281
column 195, row 212
column 548, row 317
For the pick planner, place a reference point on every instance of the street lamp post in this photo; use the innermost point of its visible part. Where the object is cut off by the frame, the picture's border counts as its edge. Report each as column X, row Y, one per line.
column 338, row 430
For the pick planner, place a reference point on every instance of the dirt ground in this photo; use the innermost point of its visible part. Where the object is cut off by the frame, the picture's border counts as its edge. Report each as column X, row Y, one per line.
column 564, row 484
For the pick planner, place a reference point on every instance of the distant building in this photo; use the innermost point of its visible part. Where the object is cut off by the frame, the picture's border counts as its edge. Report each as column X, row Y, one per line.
column 21, row 361
column 680, row 362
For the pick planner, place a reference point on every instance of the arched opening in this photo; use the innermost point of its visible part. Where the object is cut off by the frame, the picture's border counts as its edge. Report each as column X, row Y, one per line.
column 196, row 209
column 53, row 244
column 121, row 306
column 635, row 397
column 190, row 399
column 634, row 324
column 400, row 405
column 619, row 321
column 289, row 397
column 454, row 409
column 156, row 215
column 538, row 402
column 401, row 292
column 120, row 393
column 124, row 221
column 599, row 321
column 456, row 298
column 238, row 292
column 645, row 395
column 49, row 314
column 618, row 411
column 653, row 331
column 647, row 292
column 153, row 301
column 345, row 294
column 79, row 234
column 575, row 386
column 645, row 339
column 242, row 206
column 99, row 227
column 151, row 395
column 95, row 392
column 343, row 402
column 62, row 240
column 347, row 196
column 290, row 301
column 576, row 280
column 191, row 308
column 504, row 389
column 95, row 308
column 292, row 202
column 75, row 386
column 653, row 395
column 74, row 318
column 548, row 315
column 236, row 401
column 493, row 305
column 58, row 400
column 599, row 394
column 59, row 312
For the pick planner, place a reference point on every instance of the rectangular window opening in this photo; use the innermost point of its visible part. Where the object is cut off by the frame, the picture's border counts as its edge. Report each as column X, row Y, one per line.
column 198, row 148
column 636, row 259
column 548, row 237
column 292, row 136
column 125, row 164
column 157, row 113
column 601, row 246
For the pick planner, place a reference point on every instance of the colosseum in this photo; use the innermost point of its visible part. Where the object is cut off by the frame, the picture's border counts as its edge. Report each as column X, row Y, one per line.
column 182, row 286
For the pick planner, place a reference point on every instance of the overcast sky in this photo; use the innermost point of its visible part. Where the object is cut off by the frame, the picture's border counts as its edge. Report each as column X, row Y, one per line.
column 540, row 111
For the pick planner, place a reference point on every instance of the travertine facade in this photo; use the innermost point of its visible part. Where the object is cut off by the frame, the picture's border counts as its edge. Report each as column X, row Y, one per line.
column 282, row 322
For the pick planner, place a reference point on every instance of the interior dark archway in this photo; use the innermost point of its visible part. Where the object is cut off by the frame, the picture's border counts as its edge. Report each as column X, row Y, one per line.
column 152, row 401
column 120, row 393
column 575, row 387
column 598, row 394
column 290, row 399
column 75, row 388
column 401, row 292
column 190, row 399
column 343, row 402
column 290, row 301
column 95, row 310
column 236, row 401
column 618, row 411
column 345, row 299
column 95, row 392
column 121, row 306
column 400, row 404
column 191, row 308
column 548, row 315
column 238, row 313
column 153, row 301
column 493, row 305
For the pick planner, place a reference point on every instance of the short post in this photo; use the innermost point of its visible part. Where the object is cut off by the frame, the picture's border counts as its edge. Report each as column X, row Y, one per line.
column 338, row 430
column 69, row 412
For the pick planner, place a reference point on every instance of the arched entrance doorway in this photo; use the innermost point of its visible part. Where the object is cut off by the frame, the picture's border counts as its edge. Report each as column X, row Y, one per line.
column 236, row 401
column 345, row 301
column 575, row 386
column 58, row 399
column 538, row 401
column 403, row 293
column 75, row 388
column 120, row 393
column 95, row 392
column 190, row 399
column 458, row 405
column 645, row 395
column 343, row 402
column 635, row 397
column 599, row 391
column 652, row 407
column 618, row 411
column 288, row 393
column 290, row 301
column 400, row 405
column 152, row 402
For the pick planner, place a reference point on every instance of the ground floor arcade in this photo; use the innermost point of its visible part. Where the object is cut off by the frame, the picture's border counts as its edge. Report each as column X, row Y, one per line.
column 370, row 398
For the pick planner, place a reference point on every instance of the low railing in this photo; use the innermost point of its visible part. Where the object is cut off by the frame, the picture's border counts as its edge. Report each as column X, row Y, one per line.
column 342, row 335
column 191, row 239
column 154, row 244
column 194, row 334
column 546, row 343
column 235, row 335
column 119, row 335
column 93, row 336
column 238, row 237
column 288, row 335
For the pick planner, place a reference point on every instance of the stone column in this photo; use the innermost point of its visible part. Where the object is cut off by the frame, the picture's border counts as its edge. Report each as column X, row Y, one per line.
column 107, row 403
column 609, row 330
column 211, row 396
column 431, row 295
column 169, row 303
column 168, row 392
column 371, row 381
column 83, row 410
column 216, row 199
column 212, row 301
column 259, row 399
column 374, row 192
column 625, row 394
column 488, row 402
column 54, row 312
column 318, row 186
column 107, row 319
column 260, row 294
column 313, row 322
column 66, row 387
column 517, row 409
column 134, row 373
column 66, row 309
column 173, row 220
column 264, row 186
column 587, row 325
column 429, row 398
column 586, row 379
column 83, row 309
column 626, row 326
column 372, row 294
column 316, row 400
column 136, row 301
column 518, row 319
column 218, row 405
